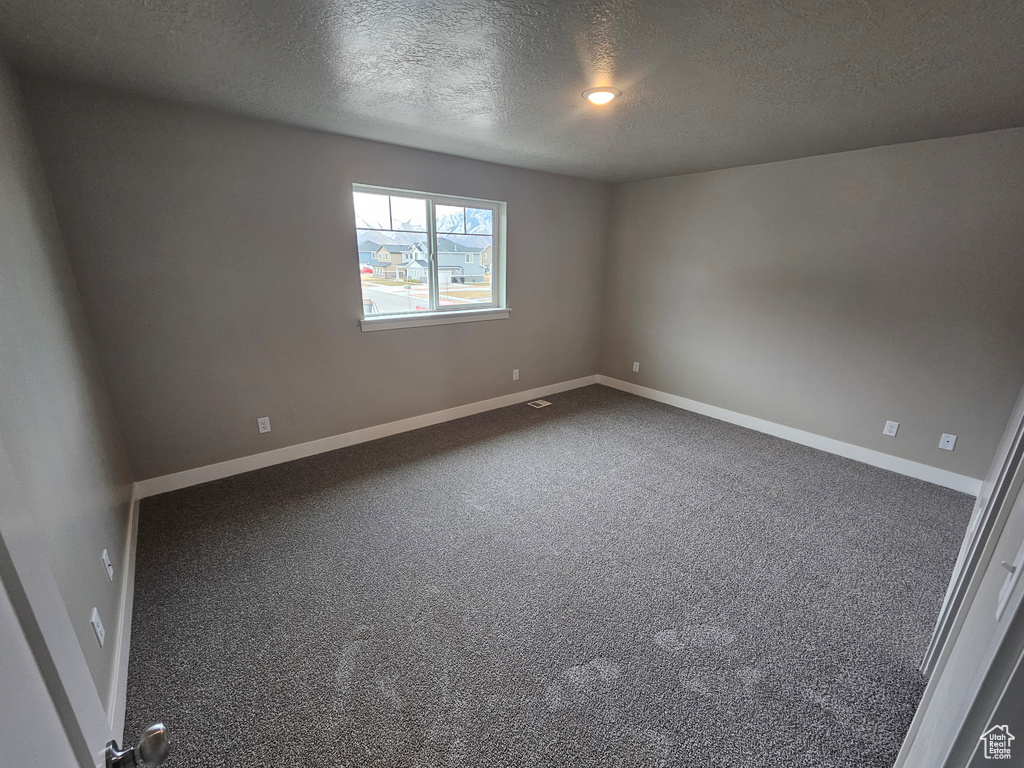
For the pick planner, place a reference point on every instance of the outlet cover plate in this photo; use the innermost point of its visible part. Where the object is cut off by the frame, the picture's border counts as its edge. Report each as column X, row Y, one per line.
column 108, row 565
column 891, row 427
column 948, row 442
column 97, row 626
column 264, row 424
column 636, row 367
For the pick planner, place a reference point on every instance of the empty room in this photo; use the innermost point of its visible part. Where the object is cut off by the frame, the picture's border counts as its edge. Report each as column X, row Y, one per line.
column 483, row 383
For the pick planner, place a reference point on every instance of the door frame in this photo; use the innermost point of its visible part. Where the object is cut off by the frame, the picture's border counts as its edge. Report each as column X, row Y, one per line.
column 987, row 520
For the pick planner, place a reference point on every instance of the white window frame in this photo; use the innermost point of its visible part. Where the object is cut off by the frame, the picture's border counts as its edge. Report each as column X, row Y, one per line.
column 496, row 309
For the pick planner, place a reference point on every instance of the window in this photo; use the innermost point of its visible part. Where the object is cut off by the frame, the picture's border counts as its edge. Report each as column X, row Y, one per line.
column 438, row 238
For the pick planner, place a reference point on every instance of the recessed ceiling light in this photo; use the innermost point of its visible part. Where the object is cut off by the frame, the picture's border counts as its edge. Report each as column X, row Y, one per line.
column 600, row 95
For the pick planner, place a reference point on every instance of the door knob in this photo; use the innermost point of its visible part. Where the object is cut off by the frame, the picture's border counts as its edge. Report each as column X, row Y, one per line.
column 152, row 750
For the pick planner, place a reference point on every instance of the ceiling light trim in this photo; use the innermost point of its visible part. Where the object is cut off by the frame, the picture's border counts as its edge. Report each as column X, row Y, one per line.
column 601, row 95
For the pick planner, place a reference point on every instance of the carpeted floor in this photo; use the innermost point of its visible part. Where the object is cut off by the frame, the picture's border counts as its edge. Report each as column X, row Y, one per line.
column 604, row 582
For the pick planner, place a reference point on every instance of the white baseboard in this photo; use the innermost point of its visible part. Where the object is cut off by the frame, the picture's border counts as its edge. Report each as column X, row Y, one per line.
column 190, row 477
column 913, row 469
column 119, row 690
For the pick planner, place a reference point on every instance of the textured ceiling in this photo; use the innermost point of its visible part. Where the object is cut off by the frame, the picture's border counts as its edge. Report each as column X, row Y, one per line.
column 705, row 85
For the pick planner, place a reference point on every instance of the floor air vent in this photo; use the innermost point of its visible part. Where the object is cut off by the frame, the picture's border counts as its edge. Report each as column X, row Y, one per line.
column 538, row 403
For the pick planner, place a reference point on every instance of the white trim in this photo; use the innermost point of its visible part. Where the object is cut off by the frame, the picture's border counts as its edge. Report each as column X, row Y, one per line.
column 455, row 201
column 190, row 477
column 913, row 469
column 441, row 317
column 119, row 688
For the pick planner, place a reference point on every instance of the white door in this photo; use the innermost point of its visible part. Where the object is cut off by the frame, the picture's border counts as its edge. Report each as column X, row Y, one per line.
column 982, row 533
column 41, row 652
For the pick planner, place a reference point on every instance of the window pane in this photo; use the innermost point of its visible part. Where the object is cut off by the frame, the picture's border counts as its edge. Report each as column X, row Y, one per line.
column 464, row 268
column 395, row 274
column 395, row 265
column 409, row 214
column 450, row 218
column 371, row 210
column 480, row 221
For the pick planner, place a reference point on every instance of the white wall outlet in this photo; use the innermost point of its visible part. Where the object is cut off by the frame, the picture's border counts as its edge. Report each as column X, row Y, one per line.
column 264, row 424
column 636, row 367
column 890, row 428
column 97, row 626
column 108, row 565
column 948, row 442
column 515, row 374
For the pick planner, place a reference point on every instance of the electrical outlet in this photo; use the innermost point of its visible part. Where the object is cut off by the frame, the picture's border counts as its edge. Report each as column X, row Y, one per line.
column 948, row 442
column 636, row 367
column 890, row 428
column 515, row 374
column 108, row 565
column 264, row 424
column 97, row 626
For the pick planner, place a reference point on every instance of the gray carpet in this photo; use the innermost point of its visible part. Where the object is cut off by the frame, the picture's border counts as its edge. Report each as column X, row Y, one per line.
column 604, row 582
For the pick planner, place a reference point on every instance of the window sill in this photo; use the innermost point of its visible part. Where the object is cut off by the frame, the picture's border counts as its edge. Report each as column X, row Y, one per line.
column 388, row 322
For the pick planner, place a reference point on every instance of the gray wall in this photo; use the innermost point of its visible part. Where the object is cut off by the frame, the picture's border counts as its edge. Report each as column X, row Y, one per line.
column 832, row 293
column 55, row 418
column 216, row 257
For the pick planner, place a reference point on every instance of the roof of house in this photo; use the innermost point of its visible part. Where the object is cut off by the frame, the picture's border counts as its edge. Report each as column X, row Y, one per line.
column 444, row 244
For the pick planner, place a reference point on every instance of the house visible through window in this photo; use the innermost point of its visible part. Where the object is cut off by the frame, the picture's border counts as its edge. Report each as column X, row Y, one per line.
column 422, row 253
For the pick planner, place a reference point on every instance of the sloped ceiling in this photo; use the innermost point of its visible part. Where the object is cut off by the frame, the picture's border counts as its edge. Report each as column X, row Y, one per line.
column 705, row 85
